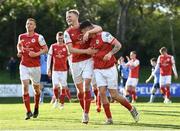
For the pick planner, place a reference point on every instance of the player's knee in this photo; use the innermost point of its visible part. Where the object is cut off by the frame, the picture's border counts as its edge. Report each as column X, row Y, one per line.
column 37, row 89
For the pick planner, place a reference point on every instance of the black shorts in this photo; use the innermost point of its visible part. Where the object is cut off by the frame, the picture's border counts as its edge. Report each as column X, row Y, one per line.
column 44, row 78
column 156, row 86
column 124, row 80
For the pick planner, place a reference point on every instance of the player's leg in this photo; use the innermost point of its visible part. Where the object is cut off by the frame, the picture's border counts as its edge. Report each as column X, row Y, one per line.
column 97, row 98
column 162, row 87
column 68, row 94
column 153, row 91
column 124, row 102
column 87, row 73
column 134, row 96
column 167, row 87
column 25, row 77
column 106, row 104
column 63, row 83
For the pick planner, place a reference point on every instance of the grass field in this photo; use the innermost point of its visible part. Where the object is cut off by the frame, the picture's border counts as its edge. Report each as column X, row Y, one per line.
column 156, row 116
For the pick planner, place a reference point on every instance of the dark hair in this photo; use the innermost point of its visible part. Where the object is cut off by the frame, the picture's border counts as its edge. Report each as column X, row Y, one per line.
column 85, row 24
column 153, row 59
column 59, row 33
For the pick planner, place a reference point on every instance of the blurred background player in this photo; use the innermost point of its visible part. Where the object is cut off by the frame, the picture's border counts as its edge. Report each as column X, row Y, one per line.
column 156, row 76
column 57, row 55
column 30, row 46
column 133, row 77
column 82, row 63
column 166, row 63
column 44, row 78
column 105, row 70
column 123, row 71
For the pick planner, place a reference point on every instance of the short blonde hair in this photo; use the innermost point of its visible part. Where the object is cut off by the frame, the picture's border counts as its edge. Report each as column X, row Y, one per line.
column 74, row 11
column 31, row 19
column 163, row 49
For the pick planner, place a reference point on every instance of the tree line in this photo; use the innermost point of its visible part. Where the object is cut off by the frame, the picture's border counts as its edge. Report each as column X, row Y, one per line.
column 140, row 25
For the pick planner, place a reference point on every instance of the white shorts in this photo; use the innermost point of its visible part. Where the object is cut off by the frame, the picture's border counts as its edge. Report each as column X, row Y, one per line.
column 82, row 70
column 59, row 78
column 107, row 77
column 164, row 80
column 93, row 81
column 30, row 73
column 132, row 82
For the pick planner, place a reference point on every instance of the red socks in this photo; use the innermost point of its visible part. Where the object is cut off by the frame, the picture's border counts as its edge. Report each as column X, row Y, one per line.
column 80, row 96
column 36, row 100
column 167, row 92
column 107, row 110
column 26, row 100
column 163, row 90
column 126, row 104
column 56, row 92
column 68, row 94
column 62, row 96
column 87, row 101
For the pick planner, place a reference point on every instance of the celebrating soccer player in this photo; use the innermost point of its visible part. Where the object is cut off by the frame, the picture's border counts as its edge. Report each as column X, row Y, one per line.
column 82, row 63
column 57, row 55
column 30, row 46
column 166, row 63
column 105, row 70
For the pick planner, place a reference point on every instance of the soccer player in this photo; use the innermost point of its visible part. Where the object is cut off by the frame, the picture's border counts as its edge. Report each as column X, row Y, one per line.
column 57, row 55
column 123, row 70
column 44, row 77
column 82, row 63
column 105, row 70
column 132, row 80
column 166, row 63
column 156, row 76
column 30, row 46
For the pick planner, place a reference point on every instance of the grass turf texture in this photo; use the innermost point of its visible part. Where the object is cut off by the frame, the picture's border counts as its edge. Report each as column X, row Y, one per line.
column 156, row 116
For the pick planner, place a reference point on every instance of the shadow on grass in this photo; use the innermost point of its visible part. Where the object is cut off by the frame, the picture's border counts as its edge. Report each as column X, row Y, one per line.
column 148, row 125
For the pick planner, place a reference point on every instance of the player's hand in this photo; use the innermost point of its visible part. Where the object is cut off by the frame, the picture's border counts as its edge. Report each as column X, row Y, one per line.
column 19, row 54
column 127, row 57
column 86, row 36
column 147, row 81
column 176, row 77
column 107, row 56
column 91, row 51
column 49, row 73
column 33, row 54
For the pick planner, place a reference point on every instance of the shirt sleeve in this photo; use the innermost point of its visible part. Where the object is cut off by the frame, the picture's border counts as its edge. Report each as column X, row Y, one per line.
column 67, row 38
column 41, row 40
column 107, row 37
column 172, row 60
column 49, row 57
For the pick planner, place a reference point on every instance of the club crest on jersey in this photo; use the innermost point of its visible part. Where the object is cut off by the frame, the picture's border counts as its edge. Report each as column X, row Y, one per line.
column 33, row 40
column 64, row 49
column 97, row 42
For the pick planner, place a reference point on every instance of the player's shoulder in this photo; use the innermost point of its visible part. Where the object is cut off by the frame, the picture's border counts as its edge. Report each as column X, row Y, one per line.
column 23, row 35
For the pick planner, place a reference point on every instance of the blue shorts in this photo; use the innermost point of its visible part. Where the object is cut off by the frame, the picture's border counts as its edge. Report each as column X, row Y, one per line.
column 44, row 78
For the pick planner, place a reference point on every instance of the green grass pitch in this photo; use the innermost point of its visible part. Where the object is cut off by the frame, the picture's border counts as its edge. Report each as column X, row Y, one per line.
column 156, row 116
